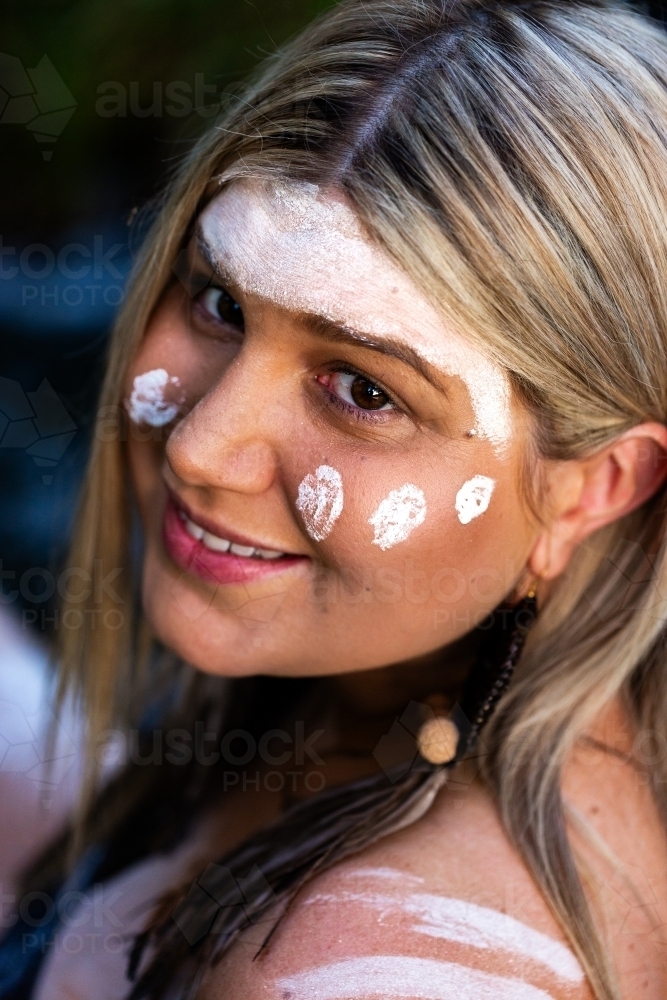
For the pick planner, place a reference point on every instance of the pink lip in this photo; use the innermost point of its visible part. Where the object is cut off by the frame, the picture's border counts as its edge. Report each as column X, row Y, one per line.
column 215, row 567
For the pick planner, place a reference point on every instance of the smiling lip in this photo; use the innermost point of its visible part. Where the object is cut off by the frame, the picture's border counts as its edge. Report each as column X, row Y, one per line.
column 194, row 556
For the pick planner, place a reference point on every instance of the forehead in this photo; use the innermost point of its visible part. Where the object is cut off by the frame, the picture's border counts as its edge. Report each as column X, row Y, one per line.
column 304, row 249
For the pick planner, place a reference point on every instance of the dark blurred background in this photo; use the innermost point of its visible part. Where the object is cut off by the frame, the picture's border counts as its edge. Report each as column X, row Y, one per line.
column 98, row 101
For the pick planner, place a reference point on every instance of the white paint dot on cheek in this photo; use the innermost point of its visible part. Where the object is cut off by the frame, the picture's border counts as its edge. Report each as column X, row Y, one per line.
column 320, row 501
column 398, row 515
column 474, row 498
column 147, row 404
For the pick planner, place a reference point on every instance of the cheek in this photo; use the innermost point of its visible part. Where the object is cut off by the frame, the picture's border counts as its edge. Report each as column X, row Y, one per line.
column 161, row 346
column 453, row 546
column 174, row 367
column 320, row 499
column 457, row 518
column 474, row 497
column 397, row 516
column 155, row 399
column 155, row 388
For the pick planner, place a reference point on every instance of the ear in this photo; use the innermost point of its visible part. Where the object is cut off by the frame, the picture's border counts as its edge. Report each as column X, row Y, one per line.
column 587, row 494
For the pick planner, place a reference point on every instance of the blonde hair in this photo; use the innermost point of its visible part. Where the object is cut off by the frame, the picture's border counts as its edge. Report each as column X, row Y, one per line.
column 511, row 156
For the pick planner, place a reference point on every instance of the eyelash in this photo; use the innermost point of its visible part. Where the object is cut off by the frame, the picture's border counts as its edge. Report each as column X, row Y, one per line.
column 199, row 297
column 356, row 412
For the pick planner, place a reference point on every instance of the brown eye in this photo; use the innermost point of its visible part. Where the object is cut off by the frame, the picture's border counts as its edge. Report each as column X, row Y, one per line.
column 366, row 395
column 222, row 307
column 357, row 392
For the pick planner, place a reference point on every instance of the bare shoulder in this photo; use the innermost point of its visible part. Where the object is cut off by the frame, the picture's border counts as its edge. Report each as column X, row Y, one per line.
column 447, row 908
column 616, row 829
column 443, row 909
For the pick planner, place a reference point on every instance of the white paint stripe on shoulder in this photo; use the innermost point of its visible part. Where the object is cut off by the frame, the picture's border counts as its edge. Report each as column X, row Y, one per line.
column 397, row 976
column 394, row 874
column 469, row 924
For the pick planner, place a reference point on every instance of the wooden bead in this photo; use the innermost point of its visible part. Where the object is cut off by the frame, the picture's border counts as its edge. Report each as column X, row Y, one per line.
column 438, row 740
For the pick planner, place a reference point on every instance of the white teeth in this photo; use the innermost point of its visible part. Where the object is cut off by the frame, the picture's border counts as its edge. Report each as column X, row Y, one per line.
column 192, row 528
column 242, row 550
column 215, row 543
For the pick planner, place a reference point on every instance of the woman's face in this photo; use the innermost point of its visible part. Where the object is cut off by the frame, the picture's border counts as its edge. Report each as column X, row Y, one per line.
column 329, row 476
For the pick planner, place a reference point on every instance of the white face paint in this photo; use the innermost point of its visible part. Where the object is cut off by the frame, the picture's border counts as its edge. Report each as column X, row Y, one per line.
column 474, row 498
column 306, row 251
column 320, row 501
column 147, row 404
column 398, row 515
column 463, row 922
column 394, row 976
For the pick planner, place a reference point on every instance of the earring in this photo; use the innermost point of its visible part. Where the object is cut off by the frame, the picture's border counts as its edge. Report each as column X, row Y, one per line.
column 445, row 740
column 438, row 738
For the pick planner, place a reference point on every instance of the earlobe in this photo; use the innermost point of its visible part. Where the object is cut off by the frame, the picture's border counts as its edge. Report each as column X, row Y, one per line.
column 550, row 554
column 588, row 494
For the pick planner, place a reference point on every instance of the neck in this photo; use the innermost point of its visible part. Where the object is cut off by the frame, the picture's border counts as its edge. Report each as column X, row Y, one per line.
column 357, row 710
column 366, row 703
column 387, row 690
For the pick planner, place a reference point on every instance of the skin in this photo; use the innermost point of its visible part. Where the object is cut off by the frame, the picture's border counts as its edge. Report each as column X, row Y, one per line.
column 263, row 408
column 237, row 459
column 459, row 850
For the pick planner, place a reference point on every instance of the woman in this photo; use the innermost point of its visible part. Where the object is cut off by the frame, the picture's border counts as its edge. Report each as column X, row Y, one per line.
column 391, row 370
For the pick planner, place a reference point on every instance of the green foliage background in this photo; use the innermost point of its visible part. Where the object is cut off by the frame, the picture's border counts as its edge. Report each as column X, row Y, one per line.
column 103, row 166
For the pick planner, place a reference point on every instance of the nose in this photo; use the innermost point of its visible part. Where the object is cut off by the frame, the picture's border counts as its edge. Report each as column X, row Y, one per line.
column 226, row 441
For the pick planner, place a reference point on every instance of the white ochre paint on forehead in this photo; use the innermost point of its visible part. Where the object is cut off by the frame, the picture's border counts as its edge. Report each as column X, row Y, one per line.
column 305, row 251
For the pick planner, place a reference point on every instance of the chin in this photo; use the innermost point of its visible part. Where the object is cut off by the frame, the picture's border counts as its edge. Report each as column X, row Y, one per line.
column 215, row 640
column 182, row 618
column 207, row 649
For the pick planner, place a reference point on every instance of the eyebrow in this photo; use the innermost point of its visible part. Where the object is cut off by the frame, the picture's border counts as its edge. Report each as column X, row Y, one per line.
column 327, row 329
column 206, row 251
column 389, row 346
